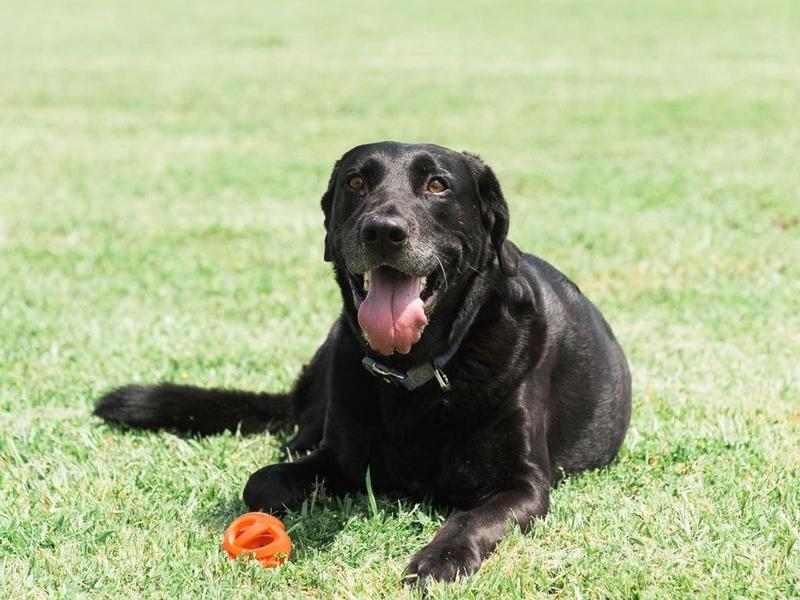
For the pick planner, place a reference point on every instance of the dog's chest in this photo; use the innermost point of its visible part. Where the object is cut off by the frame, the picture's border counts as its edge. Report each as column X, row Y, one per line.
column 422, row 453
column 405, row 445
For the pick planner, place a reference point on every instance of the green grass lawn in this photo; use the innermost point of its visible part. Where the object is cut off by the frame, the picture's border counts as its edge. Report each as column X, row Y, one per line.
column 160, row 173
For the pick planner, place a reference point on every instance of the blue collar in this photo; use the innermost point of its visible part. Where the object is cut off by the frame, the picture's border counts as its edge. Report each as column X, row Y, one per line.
column 416, row 376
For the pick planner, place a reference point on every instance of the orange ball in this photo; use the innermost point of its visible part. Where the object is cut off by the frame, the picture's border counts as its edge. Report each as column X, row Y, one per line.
column 259, row 535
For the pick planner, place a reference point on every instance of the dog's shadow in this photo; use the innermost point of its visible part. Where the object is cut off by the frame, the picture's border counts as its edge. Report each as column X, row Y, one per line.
column 323, row 516
column 314, row 527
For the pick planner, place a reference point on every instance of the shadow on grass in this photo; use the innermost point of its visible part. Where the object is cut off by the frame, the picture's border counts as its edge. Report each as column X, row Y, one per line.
column 323, row 517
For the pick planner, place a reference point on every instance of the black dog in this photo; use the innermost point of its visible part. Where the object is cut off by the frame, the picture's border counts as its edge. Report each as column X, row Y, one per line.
column 460, row 369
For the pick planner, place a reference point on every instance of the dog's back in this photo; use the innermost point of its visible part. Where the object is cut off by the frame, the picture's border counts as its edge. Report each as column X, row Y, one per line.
column 590, row 381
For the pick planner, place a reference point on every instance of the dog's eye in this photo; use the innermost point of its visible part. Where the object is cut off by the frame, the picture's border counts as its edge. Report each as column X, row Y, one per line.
column 436, row 185
column 356, row 182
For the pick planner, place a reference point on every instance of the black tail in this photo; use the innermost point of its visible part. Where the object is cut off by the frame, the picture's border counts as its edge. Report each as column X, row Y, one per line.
column 195, row 410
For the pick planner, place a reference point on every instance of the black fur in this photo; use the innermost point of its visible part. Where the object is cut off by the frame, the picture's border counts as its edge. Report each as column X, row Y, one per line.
column 540, row 386
column 194, row 410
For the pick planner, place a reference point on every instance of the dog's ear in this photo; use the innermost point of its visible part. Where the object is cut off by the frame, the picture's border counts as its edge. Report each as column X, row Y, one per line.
column 327, row 209
column 494, row 211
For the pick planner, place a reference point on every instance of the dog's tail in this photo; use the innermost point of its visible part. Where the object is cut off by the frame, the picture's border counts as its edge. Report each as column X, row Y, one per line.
column 195, row 410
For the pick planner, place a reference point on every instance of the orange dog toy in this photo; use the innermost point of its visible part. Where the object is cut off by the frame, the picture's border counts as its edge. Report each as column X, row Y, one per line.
column 260, row 535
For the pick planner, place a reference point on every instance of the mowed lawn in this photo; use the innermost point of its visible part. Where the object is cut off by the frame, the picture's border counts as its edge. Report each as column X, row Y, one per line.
column 160, row 171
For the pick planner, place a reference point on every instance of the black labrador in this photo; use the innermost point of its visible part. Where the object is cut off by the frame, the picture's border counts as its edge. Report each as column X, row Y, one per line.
column 460, row 369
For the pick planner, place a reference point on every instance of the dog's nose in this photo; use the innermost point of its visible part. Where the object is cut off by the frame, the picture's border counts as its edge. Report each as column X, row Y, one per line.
column 383, row 233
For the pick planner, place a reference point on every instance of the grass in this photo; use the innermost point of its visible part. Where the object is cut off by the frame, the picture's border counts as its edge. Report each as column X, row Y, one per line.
column 160, row 170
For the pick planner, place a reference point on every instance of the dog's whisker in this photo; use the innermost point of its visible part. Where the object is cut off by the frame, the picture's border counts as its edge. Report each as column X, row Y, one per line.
column 479, row 272
column 444, row 275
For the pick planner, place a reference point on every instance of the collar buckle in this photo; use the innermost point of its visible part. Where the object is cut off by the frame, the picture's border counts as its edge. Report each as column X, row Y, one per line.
column 383, row 372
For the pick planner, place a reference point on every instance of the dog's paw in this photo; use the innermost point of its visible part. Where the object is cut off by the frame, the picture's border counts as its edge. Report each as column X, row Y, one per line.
column 442, row 562
column 273, row 489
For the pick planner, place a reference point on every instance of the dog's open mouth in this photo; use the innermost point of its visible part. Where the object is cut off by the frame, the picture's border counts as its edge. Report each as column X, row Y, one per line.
column 393, row 307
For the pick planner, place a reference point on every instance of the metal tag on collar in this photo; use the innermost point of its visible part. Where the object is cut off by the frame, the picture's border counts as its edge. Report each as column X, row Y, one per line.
column 441, row 377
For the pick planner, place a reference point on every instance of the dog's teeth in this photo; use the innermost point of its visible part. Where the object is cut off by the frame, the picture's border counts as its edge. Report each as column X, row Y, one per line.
column 422, row 282
column 366, row 281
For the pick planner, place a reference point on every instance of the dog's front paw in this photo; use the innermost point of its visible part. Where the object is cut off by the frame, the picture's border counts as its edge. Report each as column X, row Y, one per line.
column 273, row 489
column 442, row 561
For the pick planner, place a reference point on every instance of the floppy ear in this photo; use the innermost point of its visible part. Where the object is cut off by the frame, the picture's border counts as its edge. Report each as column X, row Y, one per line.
column 494, row 211
column 327, row 209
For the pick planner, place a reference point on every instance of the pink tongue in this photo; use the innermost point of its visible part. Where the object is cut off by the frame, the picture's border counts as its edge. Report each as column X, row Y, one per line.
column 393, row 314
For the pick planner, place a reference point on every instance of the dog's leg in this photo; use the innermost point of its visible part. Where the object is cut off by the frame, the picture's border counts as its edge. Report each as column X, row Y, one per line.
column 468, row 537
column 286, row 485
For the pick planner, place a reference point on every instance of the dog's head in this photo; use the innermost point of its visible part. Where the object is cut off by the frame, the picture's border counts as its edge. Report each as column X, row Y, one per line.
column 406, row 224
